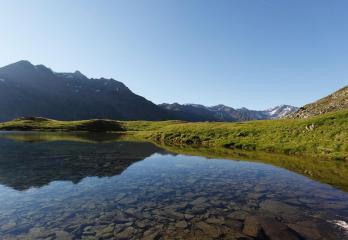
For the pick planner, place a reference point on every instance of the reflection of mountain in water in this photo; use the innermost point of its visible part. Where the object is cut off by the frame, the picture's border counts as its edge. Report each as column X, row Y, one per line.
column 25, row 164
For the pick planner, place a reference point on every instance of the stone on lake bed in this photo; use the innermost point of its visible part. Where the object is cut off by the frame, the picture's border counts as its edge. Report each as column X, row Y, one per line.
column 208, row 229
column 196, row 210
column 179, row 206
column 281, row 209
column 188, row 216
column 125, row 234
column 198, row 201
column 252, row 226
column 239, row 215
column 120, row 217
column 256, row 226
column 307, row 229
column 181, row 224
column 215, row 220
column 170, row 213
column 142, row 223
column 106, row 230
column 8, row 226
column 275, row 230
column 62, row 235
column 151, row 234
column 253, row 195
column 128, row 200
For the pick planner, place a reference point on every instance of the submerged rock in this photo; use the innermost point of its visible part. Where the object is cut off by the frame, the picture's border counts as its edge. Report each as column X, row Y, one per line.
column 281, row 209
column 308, row 230
column 151, row 234
column 125, row 234
column 276, row 230
column 181, row 224
column 198, row 201
column 62, row 235
column 208, row 229
column 261, row 226
column 252, row 226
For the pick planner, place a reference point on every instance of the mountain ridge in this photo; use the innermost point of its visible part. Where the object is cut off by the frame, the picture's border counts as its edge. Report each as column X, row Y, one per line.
column 28, row 90
column 223, row 113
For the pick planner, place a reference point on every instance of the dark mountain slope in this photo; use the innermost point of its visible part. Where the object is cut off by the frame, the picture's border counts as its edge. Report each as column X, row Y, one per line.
column 28, row 90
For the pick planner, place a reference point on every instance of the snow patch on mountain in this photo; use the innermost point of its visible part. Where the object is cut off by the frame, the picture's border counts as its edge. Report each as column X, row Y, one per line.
column 280, row 111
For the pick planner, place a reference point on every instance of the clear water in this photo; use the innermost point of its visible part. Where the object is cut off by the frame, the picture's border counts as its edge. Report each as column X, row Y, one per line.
column 128, row 190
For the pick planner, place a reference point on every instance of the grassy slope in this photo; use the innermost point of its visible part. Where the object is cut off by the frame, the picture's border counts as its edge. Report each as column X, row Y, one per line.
column 44, row 124
column 328, row 138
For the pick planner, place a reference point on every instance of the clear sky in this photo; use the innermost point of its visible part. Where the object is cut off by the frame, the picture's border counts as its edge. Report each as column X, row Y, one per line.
column 252, row 53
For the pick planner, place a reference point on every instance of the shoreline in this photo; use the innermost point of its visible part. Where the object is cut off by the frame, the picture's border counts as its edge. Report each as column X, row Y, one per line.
column 324, row 136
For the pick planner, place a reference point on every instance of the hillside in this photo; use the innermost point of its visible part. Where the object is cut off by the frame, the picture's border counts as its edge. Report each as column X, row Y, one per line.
column 322, row 136
column 27, row 90
column 334, row 102
column 222, row 113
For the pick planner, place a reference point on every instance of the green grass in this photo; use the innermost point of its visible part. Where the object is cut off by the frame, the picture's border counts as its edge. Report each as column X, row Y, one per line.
column 44, row 124
column 328, row 138
column 323, row 136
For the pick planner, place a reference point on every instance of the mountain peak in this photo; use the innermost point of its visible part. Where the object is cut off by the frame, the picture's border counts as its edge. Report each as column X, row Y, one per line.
column 72, row 75
column 18, row 69
column 21, row 64
column 78, row 74
column 281, row 111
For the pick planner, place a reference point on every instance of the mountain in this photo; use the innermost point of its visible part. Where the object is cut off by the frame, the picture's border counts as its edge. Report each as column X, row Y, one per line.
column 281, row 111
column 29, row 90
column 222, row 113
column 334, row 102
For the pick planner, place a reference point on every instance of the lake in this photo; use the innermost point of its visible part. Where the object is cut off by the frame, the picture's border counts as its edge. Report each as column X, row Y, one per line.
column 92, row 186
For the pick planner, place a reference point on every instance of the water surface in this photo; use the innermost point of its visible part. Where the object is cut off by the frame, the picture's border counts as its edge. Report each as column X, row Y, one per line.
column 92, row 187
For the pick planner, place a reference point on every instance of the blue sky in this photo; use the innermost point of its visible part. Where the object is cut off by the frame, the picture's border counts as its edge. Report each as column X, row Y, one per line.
column 255, row 54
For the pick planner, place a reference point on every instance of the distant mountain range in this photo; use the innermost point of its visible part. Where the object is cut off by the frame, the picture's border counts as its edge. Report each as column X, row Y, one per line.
column 334, row 102
column 37, row 91
column 222, row 113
